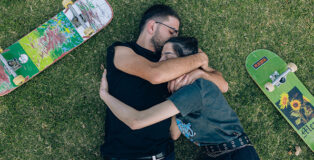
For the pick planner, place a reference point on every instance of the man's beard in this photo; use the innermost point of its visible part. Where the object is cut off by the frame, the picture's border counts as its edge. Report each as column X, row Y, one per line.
column 157, row 42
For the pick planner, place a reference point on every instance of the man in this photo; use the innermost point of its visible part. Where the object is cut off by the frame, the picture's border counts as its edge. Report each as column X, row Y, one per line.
column 137, row 78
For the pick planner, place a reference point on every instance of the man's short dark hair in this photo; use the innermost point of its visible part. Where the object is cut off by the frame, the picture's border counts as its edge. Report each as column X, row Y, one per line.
column 158, row 12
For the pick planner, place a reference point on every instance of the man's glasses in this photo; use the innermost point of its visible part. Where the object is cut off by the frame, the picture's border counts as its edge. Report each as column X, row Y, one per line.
column 175, row 31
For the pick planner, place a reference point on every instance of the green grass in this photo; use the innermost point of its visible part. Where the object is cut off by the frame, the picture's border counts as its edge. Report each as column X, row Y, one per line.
column 59, row 115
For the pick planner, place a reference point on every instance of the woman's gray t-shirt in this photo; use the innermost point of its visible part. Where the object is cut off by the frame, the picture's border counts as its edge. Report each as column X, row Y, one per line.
column 205, row 115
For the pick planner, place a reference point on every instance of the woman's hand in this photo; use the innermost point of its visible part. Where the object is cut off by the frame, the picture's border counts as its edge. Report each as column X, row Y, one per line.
column 172, row 85
column 103, row 86
column 184, row 80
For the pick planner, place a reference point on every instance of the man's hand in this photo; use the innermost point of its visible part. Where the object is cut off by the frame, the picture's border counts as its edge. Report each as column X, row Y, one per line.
column 205, row 59
column 103, row 86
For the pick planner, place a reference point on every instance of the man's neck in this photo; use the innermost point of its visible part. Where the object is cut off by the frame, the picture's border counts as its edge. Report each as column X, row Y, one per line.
column 145, row 42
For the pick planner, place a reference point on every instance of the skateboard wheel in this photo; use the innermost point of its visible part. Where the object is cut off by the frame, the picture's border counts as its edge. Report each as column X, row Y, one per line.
column 65, row 3
column 88, row 31
column 269, row 87
column 18, row 80
column 292, row 66
column 1, row 50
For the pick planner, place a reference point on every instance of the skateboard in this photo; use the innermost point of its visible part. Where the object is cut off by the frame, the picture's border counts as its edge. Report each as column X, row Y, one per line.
column 287, row 93
column 51, row 41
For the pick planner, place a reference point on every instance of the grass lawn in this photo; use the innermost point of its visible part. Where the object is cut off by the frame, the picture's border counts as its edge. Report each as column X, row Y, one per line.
column 59, row 115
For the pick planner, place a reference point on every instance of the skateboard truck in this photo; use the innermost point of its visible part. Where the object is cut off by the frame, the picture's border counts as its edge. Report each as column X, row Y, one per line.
column 18, row 79
column 88, row 31
column 277, row 79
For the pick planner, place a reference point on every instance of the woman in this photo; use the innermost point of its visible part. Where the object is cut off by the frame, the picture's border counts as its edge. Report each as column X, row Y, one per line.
column 204, row 115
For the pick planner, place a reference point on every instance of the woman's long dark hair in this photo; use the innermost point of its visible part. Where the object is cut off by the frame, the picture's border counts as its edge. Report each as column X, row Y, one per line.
column 184, row 46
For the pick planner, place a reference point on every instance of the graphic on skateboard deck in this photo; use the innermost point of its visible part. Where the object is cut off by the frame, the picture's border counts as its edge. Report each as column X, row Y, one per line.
column 282, row 87
column 49, row 42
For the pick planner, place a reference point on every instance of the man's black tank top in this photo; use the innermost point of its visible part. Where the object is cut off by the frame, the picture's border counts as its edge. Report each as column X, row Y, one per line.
column 120, row 140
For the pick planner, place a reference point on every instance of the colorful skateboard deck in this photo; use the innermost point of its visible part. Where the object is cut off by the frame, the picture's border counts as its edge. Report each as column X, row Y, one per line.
column 290, row 97
column 52, row 40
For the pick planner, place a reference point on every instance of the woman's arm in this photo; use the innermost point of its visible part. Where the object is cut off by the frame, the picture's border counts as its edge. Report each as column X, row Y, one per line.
column 174, row 129
column 217, row 78
column 131, row 117
column 209, row 74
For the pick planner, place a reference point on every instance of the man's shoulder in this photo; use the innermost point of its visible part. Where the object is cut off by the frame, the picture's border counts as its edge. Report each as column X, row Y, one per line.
column 122, row 48
column 118, row 44
column 118, row 47
column 113, row 49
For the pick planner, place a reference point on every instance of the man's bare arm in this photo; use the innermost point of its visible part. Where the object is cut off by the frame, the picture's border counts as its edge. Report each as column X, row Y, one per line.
column 156, row 72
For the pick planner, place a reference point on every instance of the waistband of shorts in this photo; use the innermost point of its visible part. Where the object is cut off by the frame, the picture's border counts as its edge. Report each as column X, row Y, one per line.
column 222, row 148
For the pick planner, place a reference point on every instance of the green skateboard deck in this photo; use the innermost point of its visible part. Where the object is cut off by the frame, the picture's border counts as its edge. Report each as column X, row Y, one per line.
column 51, row 41
column 289, row 96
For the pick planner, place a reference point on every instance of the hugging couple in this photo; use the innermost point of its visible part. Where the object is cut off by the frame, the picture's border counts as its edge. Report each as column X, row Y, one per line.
column 160, row 87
